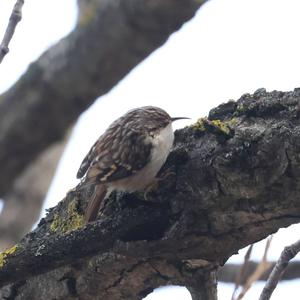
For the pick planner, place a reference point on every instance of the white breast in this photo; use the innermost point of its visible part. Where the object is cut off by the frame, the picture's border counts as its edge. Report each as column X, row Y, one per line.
column 162, row 144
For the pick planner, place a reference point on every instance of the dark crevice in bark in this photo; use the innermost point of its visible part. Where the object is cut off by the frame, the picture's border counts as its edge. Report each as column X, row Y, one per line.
column 71, row 285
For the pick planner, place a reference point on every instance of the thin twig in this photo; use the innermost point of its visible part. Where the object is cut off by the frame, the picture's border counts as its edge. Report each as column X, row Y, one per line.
column 242, row 271
column 287, row 254
column 263, row 266
column 14, row 19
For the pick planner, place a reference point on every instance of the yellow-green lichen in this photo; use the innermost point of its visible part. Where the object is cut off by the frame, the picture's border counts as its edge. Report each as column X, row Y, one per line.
column 222, row 126
column 200, row 124
column 232, row 122
column 241, row 108
column 5, row 254
column 73, row 221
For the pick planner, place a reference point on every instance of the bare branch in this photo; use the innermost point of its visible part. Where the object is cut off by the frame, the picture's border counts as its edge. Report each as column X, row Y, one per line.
column 229, row 271
column 242, row 271
column 24, row 202
column 259, row 271
column 14, row 19
column 287, row 254
column 203, row 287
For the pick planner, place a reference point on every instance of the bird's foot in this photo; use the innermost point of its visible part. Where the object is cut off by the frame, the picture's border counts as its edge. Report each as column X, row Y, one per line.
column 155, row 183
column 150, row 188
column 168, row 172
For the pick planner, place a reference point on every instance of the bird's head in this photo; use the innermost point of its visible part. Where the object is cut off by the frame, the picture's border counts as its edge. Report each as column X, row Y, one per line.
column 153, row 118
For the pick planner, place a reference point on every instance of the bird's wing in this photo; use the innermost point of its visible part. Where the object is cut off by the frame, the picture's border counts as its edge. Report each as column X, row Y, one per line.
column 116, row 155
column 85, row 164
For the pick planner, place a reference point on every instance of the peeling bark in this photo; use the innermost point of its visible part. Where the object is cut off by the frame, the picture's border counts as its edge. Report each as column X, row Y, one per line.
column 236, row 181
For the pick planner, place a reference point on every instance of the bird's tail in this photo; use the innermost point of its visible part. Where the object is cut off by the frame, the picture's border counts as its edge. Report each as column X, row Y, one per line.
column 94, row 204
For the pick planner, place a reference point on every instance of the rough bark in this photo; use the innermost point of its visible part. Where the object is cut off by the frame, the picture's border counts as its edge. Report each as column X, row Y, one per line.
column 235, row 181
column 109, row 40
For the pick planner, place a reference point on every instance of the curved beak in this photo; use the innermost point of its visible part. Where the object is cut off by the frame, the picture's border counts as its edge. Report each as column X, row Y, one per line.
column 179, row 118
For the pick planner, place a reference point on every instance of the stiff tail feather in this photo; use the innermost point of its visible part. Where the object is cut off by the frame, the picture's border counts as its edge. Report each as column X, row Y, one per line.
column 94, row 204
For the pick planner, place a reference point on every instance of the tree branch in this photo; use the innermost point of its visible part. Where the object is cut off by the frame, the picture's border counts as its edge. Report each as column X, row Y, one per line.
column 228, row 272
column 236, row 182
column 107, row 43
column 14, row 19
column 262, row 267
column 24, row 202
column 287, row 254
column 203, row 287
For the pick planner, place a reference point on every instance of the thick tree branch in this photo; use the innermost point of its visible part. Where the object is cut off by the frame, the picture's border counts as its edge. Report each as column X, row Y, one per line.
column 14, row 19
column 107, row 43
column 236, row 182
column 24, row 202
column 203, row 287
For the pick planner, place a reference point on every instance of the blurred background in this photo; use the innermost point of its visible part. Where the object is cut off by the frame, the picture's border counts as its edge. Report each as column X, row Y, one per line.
column 229, row 48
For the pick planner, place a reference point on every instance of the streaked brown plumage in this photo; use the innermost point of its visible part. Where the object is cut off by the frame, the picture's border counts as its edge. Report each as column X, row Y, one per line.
column 128, row 155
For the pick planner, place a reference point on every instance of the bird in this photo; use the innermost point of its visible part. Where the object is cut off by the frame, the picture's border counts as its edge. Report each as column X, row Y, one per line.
column 128, row 155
